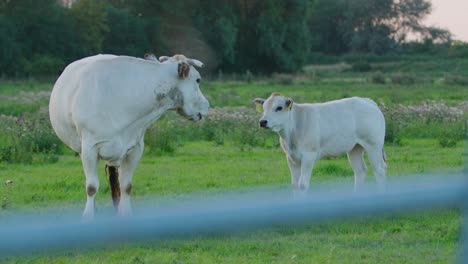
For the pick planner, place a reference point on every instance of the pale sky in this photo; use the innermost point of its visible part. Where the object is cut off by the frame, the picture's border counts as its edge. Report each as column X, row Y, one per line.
column 451, row 15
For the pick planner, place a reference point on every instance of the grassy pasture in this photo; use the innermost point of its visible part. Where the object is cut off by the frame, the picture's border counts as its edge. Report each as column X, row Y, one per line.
column 211, row 158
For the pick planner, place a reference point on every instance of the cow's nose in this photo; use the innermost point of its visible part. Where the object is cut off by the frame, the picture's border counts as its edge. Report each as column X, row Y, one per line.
column 263, row 123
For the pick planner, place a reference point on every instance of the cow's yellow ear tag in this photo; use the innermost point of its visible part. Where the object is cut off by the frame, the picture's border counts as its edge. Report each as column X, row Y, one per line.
column 259, row 107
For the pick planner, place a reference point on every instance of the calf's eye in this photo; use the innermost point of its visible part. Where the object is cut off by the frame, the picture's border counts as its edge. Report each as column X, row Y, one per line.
column 279, row 108
column 198, row 80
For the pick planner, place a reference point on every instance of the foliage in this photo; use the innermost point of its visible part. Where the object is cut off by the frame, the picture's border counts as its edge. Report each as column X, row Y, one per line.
column 9, row 47
column 458, row 49
column 28, row 138
column 44, row 65
column 227, row 125
column 378, row 78
column 235, row 36
column 34, row 29
column 456, row 80
column 128, row 34
column 376, row 26
column 90, row 22
column 427, row 120
column 402, row 79
column 361, row 67
column 274, row 34
column 161, row 138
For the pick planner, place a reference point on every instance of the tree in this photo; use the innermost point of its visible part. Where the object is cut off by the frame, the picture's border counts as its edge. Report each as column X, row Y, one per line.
column 127, row 33
column 376, row 26
column 254, row 35
column 90, row 22
column 32, row 30
column 9, row 48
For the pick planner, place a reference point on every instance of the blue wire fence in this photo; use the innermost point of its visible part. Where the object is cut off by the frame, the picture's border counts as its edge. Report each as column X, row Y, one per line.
column 235, row 212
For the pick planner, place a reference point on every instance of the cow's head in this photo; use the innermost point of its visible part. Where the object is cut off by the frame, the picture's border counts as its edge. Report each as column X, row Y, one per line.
column 275, row 111
column 190, row 100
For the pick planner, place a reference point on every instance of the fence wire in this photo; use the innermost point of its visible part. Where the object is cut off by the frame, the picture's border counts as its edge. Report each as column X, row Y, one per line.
column 227, row 214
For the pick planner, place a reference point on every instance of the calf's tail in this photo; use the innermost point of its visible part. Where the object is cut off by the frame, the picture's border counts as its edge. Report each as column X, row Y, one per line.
column 113, row 174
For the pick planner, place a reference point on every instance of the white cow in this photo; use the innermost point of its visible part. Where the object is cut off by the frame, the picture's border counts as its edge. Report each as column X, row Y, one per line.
column 102, row 105
column 309, row 132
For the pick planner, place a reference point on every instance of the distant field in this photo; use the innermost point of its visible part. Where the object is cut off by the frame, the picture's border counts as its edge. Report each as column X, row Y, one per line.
column 425, row 123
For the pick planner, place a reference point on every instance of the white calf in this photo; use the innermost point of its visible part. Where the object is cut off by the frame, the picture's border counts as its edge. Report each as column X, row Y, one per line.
column 309, row 132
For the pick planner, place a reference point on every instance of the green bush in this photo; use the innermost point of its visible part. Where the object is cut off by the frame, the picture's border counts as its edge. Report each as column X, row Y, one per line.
column 283, row 79
column 402, row 79
column 162, row 138
column 361, row 67
column 456, row 80
column 458, row 50
column 44, row 65
column 447, row 142
column 378, row 78
column 27, row 139
column 236, row 125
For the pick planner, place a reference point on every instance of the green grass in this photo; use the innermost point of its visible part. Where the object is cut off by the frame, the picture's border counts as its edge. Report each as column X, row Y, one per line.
column 203, row 168
column 216, row 167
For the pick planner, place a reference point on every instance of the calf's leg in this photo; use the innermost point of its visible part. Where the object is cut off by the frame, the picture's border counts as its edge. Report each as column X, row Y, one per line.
column 295, row 169
column 377, row 161
column 356, row 159
column 307, row 165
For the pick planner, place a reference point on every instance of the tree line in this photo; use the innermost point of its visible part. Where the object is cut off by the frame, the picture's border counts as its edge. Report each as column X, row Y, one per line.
column 41, row 37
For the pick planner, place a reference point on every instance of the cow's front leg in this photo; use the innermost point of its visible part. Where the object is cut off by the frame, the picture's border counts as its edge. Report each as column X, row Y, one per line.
column 126, row 170
column 307, row 164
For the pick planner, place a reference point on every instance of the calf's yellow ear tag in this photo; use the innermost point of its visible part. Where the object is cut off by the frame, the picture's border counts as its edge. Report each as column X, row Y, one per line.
column 259, row 107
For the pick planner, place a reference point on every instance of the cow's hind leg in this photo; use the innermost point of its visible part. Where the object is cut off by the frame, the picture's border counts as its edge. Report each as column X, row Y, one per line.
column 89, row 158
column 356, row 159
column 127, row 168
column 377, row 160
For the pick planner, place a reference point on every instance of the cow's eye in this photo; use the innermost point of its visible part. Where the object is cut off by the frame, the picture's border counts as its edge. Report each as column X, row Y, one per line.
column 198, row 80
column 279, row 108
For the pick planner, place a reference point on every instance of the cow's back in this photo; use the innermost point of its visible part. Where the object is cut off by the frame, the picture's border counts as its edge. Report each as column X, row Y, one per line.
column 60, row 105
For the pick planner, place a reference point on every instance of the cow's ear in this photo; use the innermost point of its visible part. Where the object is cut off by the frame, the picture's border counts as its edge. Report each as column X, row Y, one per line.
column 183, row 70
column 289, row 103
column 258, row 102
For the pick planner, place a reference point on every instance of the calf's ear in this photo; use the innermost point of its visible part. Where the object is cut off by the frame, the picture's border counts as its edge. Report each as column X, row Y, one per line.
column 183, row 70
column 258, row 102
column 289, row 103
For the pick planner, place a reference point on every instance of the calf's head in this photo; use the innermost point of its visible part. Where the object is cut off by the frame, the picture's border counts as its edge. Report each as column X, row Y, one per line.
column 190, row 100
column 275, row 111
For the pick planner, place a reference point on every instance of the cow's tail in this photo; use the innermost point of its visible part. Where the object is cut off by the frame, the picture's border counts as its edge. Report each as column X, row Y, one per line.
column 113, row 174
column 384, row 156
